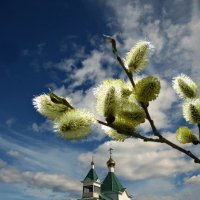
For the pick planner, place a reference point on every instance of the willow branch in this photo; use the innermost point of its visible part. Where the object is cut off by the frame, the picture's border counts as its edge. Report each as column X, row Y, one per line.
column 135, row 135
column 199, row 132
column 115, row 52
column 157, row 133
column 153, row 127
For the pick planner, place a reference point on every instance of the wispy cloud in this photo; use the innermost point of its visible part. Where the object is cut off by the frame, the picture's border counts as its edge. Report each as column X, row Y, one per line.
column 137, row 158
column 13, row 153
column 55, row 182
column 10, row 121
column 2, row 163
column 193, row 180
column 33, row 155
column 157, row 198
column 39, row 165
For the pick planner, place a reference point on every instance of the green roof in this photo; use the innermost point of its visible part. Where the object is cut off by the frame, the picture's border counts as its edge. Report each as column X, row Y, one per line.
column 91, row 175
column 111, row 184
column 102, row 196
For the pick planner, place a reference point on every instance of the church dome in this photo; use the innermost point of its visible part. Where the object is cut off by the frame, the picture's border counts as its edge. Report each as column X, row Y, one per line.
column 111, row 163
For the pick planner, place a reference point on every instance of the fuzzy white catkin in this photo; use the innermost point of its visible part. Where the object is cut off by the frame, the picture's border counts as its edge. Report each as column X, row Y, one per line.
column 114, row 134
column 147, row 89
column 184, row 86
column 46, row 107
column 191, row 111
column 137, row 58
column 102, row 90
column 185, row 135
column 74, row 124
column 132, row 112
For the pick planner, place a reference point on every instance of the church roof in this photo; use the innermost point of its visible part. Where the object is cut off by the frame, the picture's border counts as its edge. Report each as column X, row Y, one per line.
column 111, row 184
column 104, row 197
column 91, row 175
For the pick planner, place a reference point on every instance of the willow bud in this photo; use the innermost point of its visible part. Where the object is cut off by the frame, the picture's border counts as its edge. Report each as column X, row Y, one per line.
column 45, row 106
column 124, row 126
column 74, row 124
column 147, row 89
column 185, row 87
column 110, row 105
column 133, row 113
column 191, row 111
column 114, row 134
column 137, row 58
column 108, row 96
column 185, row 135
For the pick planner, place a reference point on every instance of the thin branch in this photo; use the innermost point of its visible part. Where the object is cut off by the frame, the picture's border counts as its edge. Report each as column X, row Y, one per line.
column 102, row 123
column 154, row 129
column 135, row 135
column 199, row 132
column 147, row 139
column 114, row 49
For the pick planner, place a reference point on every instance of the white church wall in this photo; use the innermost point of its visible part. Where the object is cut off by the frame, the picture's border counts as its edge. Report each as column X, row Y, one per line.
column 123, row 196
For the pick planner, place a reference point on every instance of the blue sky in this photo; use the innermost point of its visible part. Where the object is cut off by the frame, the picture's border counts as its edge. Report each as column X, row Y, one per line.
column 59, row 45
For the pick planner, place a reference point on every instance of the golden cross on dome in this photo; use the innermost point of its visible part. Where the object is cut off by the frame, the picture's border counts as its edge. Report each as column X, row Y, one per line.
column 110, row 151
column 92, row 162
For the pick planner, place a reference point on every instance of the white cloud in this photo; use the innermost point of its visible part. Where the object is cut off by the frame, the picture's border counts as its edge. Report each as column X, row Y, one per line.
column 176, row 44
column 131, row 27
column 152, row 197
column 10, row 176
column 41, row 166
column 137, row 160
column 44, row 126
column 13, row 153
column 193, row 180
column 55, row 182
column 40, row 48
column 10, row 121
column 35, row 127
column 2, row 163
column 91, row 69
column 43, row 156
column 190, row 42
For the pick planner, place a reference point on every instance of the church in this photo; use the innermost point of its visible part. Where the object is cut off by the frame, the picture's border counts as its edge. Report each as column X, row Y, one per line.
column 109, row 189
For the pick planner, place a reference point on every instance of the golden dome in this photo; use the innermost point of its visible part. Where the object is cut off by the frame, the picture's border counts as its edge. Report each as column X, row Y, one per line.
column 111, row 163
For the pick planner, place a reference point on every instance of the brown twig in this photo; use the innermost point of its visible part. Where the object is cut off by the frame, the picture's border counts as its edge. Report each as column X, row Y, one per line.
column 199, row 132
column 114, row 49
column 156, row 132
column 135, row 135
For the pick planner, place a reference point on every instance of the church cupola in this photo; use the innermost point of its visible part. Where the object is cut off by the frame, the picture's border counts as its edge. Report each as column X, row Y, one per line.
column 111, row 182
column 91, row 184
column 110, row 189
column 111, row 162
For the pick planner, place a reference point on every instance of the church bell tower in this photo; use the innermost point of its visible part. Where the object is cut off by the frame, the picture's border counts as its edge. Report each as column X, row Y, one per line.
column 110, row 189
column 91, row 185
